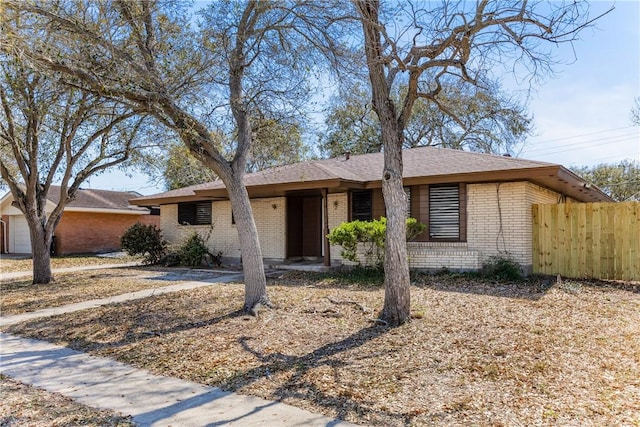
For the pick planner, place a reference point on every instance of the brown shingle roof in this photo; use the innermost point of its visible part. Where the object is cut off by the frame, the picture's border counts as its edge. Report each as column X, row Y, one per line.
column 421, row 162
column 418, row 162
column 98, row 199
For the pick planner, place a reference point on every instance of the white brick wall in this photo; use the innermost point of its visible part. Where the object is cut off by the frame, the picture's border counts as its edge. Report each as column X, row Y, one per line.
column 338, row 213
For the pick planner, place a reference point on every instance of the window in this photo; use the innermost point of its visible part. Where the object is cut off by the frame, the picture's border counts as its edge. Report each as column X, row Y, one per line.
column 196, row 213
column 444, row 212
column 361, row 205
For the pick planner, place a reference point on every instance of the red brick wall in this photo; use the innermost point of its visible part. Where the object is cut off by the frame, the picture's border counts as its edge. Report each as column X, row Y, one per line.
column 87, row 232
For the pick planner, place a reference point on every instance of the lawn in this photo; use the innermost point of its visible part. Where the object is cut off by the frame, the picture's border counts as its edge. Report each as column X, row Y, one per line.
column 20, row 295
column 9, row 265
column 476, row 352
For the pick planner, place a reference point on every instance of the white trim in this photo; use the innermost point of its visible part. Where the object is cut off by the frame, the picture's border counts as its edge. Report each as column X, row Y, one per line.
column 107, row 210
column 5, row 249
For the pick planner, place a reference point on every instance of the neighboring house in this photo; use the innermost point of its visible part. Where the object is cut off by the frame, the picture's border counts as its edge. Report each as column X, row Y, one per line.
column 92, row 223
column 474, row 206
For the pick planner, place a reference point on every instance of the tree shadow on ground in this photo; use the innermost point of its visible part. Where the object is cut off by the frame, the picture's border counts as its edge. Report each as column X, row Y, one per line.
column 343, row 405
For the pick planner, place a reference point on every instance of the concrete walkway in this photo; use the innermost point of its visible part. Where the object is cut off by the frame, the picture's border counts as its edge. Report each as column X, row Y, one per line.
column 19, row 274
column 150, row 399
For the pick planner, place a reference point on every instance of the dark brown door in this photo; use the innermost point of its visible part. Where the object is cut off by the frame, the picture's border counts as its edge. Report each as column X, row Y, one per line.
column 304, row 226
column 312, row 227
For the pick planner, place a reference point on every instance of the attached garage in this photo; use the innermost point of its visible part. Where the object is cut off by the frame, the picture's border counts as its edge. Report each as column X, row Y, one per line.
column 91, row 223
column 19, row 239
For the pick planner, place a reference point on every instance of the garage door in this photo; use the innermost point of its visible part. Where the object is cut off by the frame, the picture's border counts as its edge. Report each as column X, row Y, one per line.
column 19, row 231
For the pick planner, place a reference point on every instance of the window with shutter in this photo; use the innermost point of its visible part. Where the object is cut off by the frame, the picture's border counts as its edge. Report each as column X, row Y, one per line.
column 444, row 212
column 361, row 205
column 196, row 213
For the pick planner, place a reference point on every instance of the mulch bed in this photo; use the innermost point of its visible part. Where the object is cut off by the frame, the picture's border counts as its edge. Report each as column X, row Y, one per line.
column 476, row 352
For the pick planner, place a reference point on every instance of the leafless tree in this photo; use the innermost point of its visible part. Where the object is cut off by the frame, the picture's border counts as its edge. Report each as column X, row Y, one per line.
column 194, row 80
column 422, row 45
column 51, row 132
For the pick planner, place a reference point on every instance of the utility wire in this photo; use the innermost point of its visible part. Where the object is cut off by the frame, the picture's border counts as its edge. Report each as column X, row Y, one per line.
column 616, row 138
column 562, row 149
column 582, row 135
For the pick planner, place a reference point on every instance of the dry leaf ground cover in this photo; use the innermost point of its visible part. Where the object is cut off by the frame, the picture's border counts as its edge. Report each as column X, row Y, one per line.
column 9, row 265
column 20, row 295
column 476, row 353
column 26, row 406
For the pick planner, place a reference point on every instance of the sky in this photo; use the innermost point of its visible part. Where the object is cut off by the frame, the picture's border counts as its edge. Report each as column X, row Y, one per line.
column 581, row 116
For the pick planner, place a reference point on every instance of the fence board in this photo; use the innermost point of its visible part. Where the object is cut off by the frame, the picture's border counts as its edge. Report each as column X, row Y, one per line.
column 599, row 240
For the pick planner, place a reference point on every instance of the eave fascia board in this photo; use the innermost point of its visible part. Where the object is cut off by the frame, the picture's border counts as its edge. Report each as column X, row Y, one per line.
column 107, row 211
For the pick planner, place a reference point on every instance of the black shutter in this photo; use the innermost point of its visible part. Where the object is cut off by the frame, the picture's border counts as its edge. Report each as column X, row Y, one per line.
column 361, row 205
column 186, row 214
column 203, row 213
column 194, row 213
column 444, row 212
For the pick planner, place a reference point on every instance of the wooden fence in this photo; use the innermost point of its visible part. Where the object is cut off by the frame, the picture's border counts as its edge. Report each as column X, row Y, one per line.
column 598, row 240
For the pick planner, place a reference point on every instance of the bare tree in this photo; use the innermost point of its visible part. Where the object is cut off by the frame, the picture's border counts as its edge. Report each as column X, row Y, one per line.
column 493, row 122
column 50, row 133
column 149, row 54
column 425, row 45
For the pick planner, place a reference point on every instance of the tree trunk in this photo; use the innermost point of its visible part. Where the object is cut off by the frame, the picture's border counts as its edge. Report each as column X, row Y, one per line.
column 397, row 295
column 40, row 249
column 255, row 282
column 397, row 299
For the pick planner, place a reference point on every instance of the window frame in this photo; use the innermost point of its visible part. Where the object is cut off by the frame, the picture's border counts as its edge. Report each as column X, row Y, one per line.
column 194, row 214
column 352, row 201
column 420, row 209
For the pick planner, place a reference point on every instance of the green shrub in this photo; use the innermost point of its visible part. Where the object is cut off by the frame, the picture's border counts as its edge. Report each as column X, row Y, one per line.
column 371, row 234
column 502, row 267
column 192, row 250
column 414, row 228
column 145, row 240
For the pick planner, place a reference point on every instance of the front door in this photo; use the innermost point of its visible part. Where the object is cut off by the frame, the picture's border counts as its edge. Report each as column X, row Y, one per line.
column 304, row 226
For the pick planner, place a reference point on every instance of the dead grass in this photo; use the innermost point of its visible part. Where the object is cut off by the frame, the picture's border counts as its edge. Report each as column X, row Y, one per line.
column 8, row 265
column 476, row 352
column 20, row 295
column 26, row 406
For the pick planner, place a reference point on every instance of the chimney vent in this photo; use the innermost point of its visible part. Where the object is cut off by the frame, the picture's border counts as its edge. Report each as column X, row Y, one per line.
column 347, row 155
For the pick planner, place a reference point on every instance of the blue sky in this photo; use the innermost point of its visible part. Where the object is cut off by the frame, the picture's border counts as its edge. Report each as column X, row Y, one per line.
column 581, row 116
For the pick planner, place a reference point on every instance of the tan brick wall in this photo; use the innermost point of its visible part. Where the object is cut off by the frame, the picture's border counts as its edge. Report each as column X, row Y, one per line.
column 222, row 235
column 89, row 232
column 500, row 220
column 439, row 255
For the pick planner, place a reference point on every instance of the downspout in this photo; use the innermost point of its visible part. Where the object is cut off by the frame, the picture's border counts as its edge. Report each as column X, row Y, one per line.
column 5, row 249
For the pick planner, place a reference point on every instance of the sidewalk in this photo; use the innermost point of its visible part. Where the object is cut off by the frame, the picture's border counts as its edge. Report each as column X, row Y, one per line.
column 18, row 274
column 150, row 399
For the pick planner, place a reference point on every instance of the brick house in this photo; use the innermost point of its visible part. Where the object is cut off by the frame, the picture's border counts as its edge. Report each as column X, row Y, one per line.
column 474, row 206
column 92, row 223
